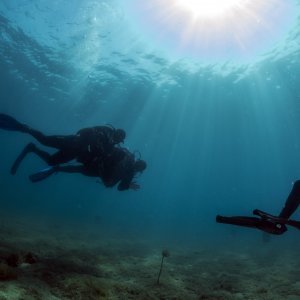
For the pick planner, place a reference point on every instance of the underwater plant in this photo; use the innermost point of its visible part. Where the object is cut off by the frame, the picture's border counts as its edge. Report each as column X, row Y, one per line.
column 164, row 253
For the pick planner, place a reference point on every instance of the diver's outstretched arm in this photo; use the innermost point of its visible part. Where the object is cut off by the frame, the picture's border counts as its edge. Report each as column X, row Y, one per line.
column 292, row 201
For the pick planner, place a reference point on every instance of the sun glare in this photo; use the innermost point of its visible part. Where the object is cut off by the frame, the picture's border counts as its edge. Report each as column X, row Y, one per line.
column 216, row 29
column 208, row 8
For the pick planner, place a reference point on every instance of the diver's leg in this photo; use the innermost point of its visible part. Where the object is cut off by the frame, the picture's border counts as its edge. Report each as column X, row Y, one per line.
column 28, row 149
column 9, row 123
column 57, row 158
column 292, row 201
column 55, row 141
column 60, row 157
column 77, row 169
column 70, row 169
column 41, row 175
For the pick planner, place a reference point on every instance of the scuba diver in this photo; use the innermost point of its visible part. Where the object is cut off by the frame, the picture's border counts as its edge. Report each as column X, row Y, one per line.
column 266, row 222
column 119, row 167
column 95, row 148
column 84, row 146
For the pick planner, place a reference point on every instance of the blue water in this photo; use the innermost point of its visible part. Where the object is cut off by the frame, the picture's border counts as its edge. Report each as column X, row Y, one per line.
column 219, row 137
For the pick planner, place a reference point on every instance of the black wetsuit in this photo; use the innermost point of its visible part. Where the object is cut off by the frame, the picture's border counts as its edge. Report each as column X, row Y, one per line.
column 118, row 167
column 88, row 145
column 292, row 201
column 267, row 222
column 94, row 148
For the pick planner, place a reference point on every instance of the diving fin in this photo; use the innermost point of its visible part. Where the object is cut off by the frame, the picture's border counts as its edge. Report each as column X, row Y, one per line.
column 29, row 148
column 252, row 222
column 9, row 123
column 39, row 176
column 269, row 217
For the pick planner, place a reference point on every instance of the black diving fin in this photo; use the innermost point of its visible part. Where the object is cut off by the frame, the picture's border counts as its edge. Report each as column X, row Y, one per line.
column 41, row 175
column 253, row 222
column 9, row 123
column 266, row 222
column 29, row 148
column 275, row 219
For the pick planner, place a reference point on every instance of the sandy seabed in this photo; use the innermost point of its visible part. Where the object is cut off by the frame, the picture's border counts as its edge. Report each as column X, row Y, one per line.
column 42, row 261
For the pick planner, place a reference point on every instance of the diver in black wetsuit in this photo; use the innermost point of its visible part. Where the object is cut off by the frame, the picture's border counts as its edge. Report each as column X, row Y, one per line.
column 119, row 167
column 85, row 146
column 267, row 222
column 95, row 148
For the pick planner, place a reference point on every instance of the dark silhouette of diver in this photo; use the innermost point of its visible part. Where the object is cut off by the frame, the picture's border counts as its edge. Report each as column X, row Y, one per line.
column 84, row 146
column 119, row 167
column 95, row 148
column 269, row 223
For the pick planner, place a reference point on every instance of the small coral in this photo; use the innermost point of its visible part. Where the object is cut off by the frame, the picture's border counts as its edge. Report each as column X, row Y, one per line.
column 164, row 253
